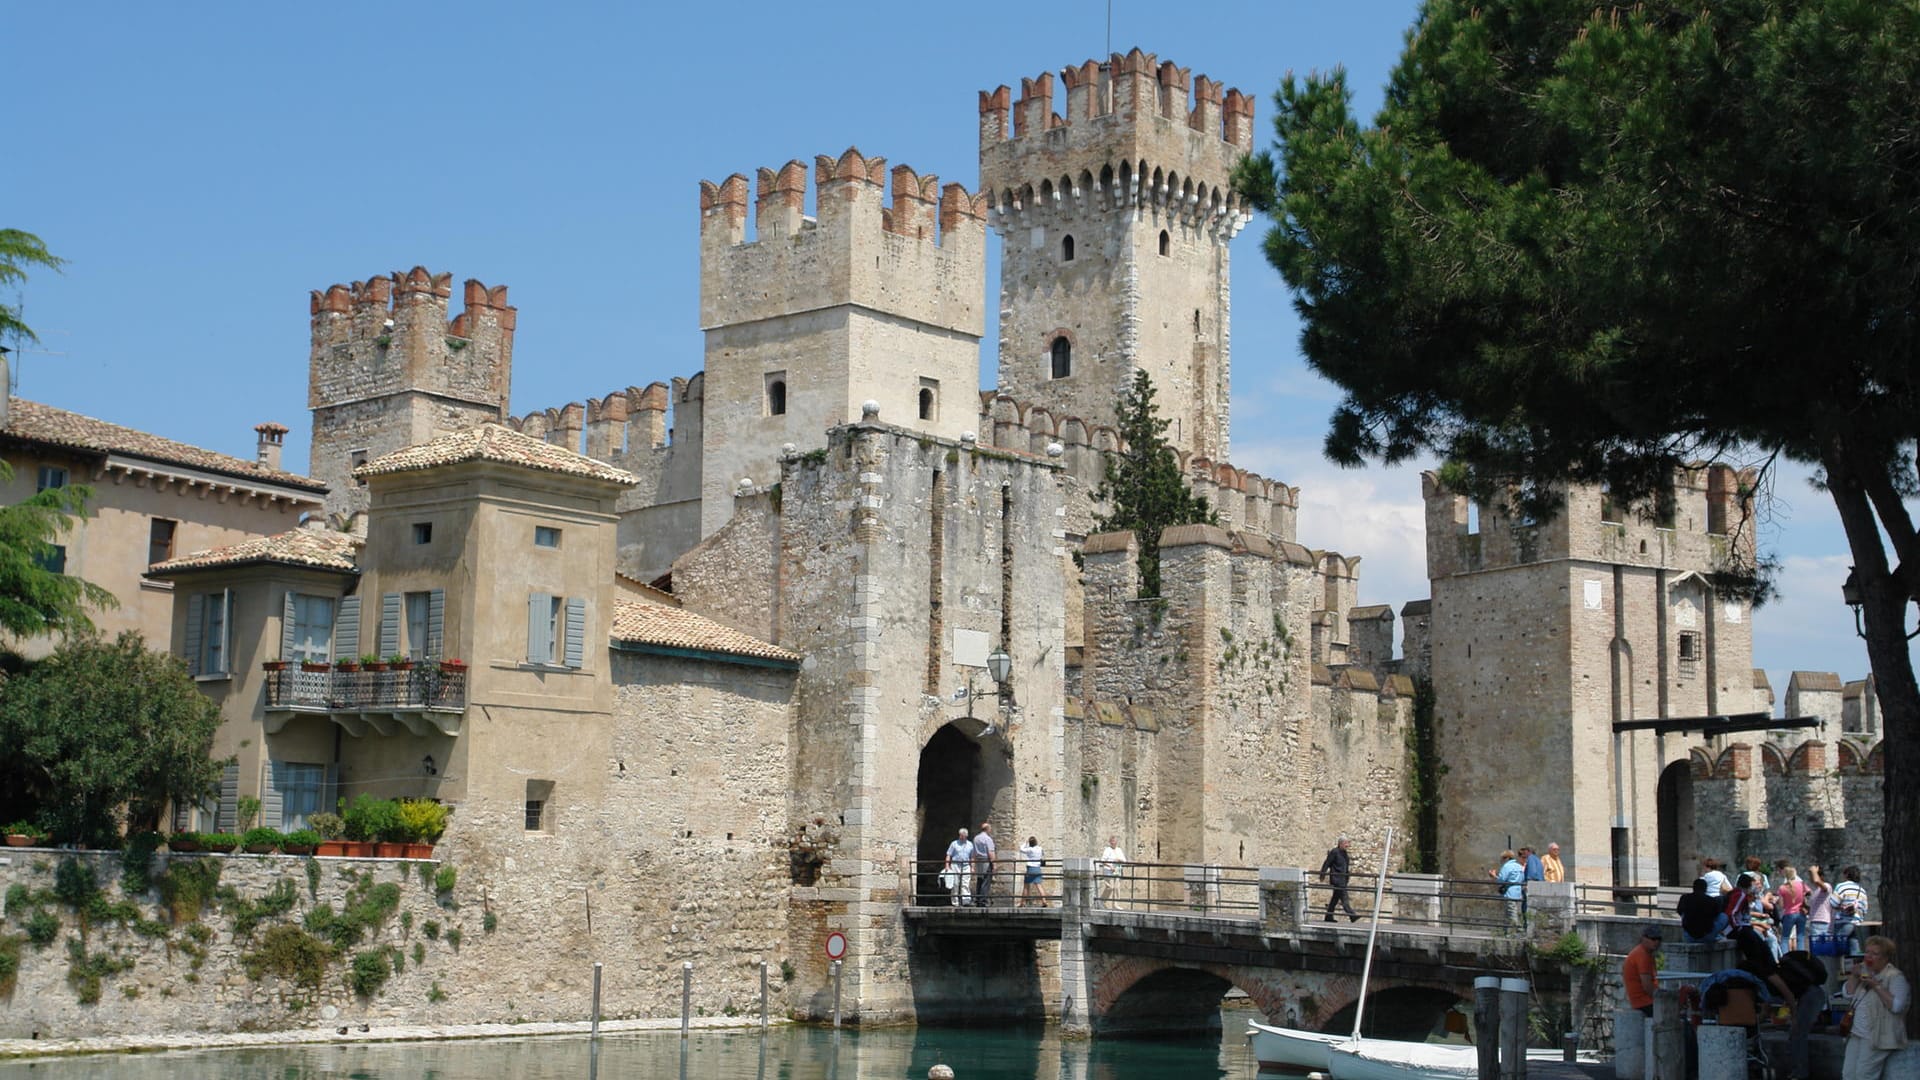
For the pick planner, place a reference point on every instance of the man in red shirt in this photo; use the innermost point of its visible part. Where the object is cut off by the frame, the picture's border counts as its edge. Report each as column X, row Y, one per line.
column 1637, row 972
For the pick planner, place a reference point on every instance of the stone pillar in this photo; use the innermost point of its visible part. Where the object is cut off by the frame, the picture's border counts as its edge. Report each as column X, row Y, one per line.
column 1723, row 1052
column 1283, row 900
column 1550, row 907
column 1076, row 908
column 1416, row 898
column 1667, row 1037
column 1629, row 1044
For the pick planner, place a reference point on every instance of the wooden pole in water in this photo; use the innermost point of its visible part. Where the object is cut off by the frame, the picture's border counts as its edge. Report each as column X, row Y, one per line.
column 686, row 997
column 763, row 995
column 596, row 1001
column 1513, row 1029
column 1486, row 1025
column 1366, row 969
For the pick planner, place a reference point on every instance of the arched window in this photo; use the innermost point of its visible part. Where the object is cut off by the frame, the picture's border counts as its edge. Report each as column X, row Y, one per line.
column 1066, row 249
column 1166, row 242
column 1062, row 357
column 776, row 397
column 926, row 403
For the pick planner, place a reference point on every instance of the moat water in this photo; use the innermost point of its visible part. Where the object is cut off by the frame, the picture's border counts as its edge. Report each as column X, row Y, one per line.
column 788, row 1053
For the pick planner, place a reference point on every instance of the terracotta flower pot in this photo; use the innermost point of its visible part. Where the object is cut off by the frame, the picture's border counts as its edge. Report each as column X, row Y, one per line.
column 259, row 849
column 333, row 847
column 419, row 851
column 297, row 849
column 312, row 668
column 181, row 846
column 358, row 849
column 385, row 850
column 274, row 665
column 19, row 840
column 220, row 848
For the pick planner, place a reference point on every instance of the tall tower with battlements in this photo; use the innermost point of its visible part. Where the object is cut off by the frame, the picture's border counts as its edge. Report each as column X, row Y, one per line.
column 870, row 299
column 1114, row 219
column 388, row 370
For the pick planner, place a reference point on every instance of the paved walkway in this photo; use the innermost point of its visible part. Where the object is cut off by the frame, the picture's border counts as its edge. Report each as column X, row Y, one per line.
column 214, row 1040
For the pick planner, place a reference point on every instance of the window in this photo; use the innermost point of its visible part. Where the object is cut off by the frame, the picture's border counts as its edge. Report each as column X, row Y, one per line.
column 1166, row 242
column 310, row 638
column 1062, row 357
column 777, row 394
column 52, row 559
column 160, row 540
column 1066, row 249
column 355, row 459
column 556, row 630
column 423, row 532
column 929, row 399
column 52, row 476
column 304, row 790
column 546, row 536
column 1689, row 645
column 539, row 795
column 209, row 623
column 420, row 645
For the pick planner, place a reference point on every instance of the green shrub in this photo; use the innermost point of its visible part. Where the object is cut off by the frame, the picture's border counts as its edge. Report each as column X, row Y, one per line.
column 453, row 937
column 25, row 828
column 136, row 862
column 18, row 896
column 435, row 995
column 247, row 914
column 369, row 819
column 302, row 838
column 186, row 838
column 74, row 884
column 262, row 837
column 246, row 812
column 365, row 907
column 431, row 928
column 370, row 972
column 406, row 922
column 443, row 879
column 398, row 958
column 9, row 963
column 422, row 820
column 419, row 953
column 489, row 921
column 187, row 885
column 85, row 970
column 219, row 841
column 42, row 927
column 329, row 826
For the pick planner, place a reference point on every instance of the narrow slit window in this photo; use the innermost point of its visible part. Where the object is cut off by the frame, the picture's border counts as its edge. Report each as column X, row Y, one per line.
column 1066, row 249
column 1062, row 357
column 776, row 397
column 926, row 404
column 1166, row 242
column 160, row 540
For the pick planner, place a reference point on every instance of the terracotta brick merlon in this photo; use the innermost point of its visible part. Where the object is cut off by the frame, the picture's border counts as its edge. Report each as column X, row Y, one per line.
column 957, row 204
column 1808, row 758
column 726, row 199
column 1186, row 535
column 1104, row 543
column 850, row 166
column 786, row 186
column 419, row 281
column 1736, row 762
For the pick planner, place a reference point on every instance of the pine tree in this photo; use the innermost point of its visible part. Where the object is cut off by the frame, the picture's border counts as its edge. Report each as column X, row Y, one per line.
column 1143, row 487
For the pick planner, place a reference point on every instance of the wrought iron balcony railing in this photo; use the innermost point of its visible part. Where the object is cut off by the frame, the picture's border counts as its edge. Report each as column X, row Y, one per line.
column 424, row 686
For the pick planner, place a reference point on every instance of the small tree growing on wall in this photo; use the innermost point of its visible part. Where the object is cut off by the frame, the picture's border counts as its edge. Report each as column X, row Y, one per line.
column 1143, row 488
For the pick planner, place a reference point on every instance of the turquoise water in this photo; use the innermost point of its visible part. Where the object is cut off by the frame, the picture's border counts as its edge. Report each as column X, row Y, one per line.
column 783, row 1054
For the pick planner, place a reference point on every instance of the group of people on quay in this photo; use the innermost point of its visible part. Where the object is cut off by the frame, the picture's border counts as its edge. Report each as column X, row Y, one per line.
column 970, row 865
column 1781, row 925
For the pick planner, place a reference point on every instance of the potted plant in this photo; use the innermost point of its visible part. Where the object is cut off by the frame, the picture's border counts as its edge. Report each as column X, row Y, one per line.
column 261, row 841
column 370, row 662
column 301, row 841
column 400, row 662
column 424, row 820
column 183, row 841
column 330, row 828
column 453, row 667
column 395, row 835
column 315, row 666
column 246, row 811
column 221, row 842
column 25, row 834
column 274, row 665
column 347, row 663
column 368, row 821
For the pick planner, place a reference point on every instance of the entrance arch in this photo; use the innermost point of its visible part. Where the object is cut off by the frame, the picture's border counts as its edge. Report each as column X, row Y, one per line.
column 1177, row 1000
column 1402, row 1013
column 1678, row 841
column 964, row 779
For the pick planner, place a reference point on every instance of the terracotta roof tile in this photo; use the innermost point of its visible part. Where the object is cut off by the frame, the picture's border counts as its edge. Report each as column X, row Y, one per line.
column 677, row 628
column 493, row 442
column 1813, row 680
column 30, row 420
column 321, row 549
column 1371, row 611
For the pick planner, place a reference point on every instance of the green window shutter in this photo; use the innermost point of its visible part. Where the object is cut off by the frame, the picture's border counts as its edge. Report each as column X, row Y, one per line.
column 272, row 803
column 196, row 621
column 346, row 629
column 226, row 814
column 389, row 624
column 226, row 633
column 288, row 620
column 576, row 631
column 437, row 624
column 540, row 628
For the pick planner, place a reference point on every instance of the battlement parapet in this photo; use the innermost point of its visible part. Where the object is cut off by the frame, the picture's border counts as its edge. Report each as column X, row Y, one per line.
column 604, row 428
column 391, row 333
column 1246, row 501
column 1161, row 189
column 918, row 252
column 1126, row 89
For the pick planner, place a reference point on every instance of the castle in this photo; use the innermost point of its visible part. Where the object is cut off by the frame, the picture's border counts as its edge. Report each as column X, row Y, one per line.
column 731, row 636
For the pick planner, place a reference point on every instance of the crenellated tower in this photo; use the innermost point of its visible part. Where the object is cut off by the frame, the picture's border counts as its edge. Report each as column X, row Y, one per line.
column 389, row 370
column 871, row 299
column 1115, row 219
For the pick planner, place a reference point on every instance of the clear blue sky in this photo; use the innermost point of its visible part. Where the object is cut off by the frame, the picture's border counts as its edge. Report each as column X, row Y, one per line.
column 204, row 166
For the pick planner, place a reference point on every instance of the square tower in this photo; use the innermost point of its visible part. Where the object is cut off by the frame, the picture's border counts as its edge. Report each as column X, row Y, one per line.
column 1114, row 221
column 869, row 301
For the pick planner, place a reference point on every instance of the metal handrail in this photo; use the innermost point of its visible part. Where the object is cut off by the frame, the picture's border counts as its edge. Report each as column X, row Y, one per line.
column 424, row 686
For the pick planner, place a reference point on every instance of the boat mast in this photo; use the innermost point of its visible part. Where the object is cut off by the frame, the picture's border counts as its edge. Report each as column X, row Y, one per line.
column 1366, row 971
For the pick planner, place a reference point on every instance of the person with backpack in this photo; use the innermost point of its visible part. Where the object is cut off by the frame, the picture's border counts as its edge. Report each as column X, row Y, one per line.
column 1849, row 906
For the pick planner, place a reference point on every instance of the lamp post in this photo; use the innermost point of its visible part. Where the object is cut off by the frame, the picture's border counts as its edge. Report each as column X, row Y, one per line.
column 1000, row 668
column 1850, row 592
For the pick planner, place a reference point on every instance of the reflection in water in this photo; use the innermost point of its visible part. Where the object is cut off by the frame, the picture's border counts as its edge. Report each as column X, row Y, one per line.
column 991, row 1053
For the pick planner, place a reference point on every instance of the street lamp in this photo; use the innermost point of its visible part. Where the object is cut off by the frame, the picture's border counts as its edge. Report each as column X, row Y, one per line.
column 1850, row 592
column 1000, row 668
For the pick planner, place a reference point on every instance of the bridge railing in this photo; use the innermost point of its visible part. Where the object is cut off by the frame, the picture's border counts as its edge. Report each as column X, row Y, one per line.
column 1416, row 901
column 1006, row 885
column 1215, row 891
column 1636, row 901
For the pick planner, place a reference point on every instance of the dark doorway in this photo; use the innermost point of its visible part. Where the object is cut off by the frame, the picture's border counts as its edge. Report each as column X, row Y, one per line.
column 964, row 780
column 1674, row 802
column 1405, row 1013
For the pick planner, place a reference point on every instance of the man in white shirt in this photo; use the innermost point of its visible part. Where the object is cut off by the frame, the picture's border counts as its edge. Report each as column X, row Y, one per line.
column 1111, row 860
column 958, row 872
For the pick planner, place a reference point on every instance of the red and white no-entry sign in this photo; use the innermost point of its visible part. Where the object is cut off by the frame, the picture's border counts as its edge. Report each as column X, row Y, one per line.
column 836, row 945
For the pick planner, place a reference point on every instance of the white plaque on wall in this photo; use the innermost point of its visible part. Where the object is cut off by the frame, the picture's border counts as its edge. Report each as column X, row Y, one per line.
column 1733, row 613
column 1683, row 613
column 1592, row 589
column 970, row 648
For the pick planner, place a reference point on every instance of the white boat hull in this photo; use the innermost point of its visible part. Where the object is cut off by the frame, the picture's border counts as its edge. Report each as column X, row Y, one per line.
column 1289, row 1049
column 1380, row 1059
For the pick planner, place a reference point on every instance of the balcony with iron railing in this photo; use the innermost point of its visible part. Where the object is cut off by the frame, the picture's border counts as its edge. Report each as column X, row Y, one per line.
column 423, row 699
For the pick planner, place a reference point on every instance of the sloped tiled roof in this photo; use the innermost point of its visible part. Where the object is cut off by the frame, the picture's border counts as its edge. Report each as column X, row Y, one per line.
column 32, row 421
column 321, row 549
column 677, row 628
column 493, row 442
column 1814, row 680
column 1370, row 611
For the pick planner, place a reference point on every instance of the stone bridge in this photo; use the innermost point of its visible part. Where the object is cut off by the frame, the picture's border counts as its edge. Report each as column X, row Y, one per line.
column 1139, row 972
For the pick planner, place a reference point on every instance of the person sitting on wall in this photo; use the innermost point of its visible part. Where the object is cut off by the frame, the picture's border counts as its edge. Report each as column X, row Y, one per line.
column 1717, row 882
column 1699, row 914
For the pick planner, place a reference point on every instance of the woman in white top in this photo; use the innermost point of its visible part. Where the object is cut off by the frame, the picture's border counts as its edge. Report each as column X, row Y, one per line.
column 1881, row 996
column 1030, row 894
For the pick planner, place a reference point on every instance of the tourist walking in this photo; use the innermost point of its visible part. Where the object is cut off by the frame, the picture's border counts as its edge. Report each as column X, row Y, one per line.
column 1335, row 870
column 1819, row 908
column 1111, row 860
column 1792, row 894
column 983, row 859
column 1030, row 894
column 1882, row 996
column 1849, row 906
column 1511, row 882
column 1699, row 914
column 1636, row 973
column 958, row 873
column 1552, row 869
